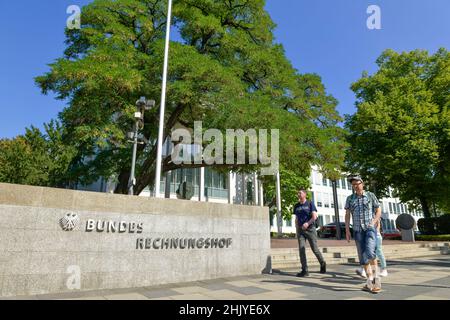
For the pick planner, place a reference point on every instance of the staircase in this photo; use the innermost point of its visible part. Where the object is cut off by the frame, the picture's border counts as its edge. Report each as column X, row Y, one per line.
column 288, row 258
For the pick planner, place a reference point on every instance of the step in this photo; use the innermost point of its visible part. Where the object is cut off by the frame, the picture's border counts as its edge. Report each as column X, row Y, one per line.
column 285, row 254
column 313, row 261
column 292, row 260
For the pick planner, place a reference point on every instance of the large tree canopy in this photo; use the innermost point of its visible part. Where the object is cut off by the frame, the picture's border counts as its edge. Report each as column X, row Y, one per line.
column 225, row 70
column 400, row 134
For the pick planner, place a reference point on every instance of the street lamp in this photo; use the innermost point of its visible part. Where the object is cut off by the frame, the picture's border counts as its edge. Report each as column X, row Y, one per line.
column 142, row 105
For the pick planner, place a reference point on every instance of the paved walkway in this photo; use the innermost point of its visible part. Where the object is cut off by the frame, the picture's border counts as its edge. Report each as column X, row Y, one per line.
column 418, row 278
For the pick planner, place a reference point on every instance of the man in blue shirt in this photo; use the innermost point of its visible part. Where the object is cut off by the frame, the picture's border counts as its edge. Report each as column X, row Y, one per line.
column 306, row 214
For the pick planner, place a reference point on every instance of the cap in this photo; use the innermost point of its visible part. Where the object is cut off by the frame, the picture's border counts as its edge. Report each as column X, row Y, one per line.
column 353, row 178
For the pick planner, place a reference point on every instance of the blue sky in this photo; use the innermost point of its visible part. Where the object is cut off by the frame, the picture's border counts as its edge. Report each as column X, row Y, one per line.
column 327, row 37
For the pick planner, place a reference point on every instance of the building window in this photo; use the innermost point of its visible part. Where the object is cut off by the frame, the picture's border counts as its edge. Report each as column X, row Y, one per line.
column 343, row 183
column 341, row 200
column 324, row 181
column 289, row 222
column 320, row 220
column 338, row 184
column 215, row 184
column 326, row 200
column 317, row 177
column 390, row 207
column 319, row 199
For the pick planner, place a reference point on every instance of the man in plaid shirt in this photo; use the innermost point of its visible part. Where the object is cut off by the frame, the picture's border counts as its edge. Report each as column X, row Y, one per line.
column 366, row 213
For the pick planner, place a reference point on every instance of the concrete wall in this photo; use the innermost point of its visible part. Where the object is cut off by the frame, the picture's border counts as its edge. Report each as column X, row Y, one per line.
column 37, row 256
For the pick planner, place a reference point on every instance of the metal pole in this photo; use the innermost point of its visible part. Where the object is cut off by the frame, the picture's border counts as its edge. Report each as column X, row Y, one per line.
column 163, row 103
column 168, row 176
column 279, row 218
column 336, row 210
column 132, row 179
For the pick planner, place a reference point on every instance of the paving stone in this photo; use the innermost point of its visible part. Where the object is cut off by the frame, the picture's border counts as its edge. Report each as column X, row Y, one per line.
column 159, row 293
column 126, row 296
column 224, row 294
column 249, row 290
column 192, row 289
column 340, row 283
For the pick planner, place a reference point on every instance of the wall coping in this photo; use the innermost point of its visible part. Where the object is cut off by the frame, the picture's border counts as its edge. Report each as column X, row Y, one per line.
column 24, row 195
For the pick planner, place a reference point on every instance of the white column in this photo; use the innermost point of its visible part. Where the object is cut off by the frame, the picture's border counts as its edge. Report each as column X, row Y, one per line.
column 244, row 189
column 261, row 194
column 255, row 189
column 201, row 191
column 230, row 187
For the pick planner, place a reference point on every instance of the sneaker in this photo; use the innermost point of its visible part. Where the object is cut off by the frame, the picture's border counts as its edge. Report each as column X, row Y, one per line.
column 361, row 272
column 383, row 273
column 323, row 267
column 368, row 286
column 376, row 285
column 304, row 273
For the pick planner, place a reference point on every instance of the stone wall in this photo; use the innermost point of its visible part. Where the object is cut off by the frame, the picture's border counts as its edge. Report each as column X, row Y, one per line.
column 136, row 247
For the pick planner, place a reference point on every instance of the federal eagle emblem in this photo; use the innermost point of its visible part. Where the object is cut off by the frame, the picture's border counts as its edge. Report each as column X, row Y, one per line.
column 69, row 221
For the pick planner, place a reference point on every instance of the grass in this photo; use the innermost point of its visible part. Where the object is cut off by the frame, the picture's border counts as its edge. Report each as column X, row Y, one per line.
column 439, row 237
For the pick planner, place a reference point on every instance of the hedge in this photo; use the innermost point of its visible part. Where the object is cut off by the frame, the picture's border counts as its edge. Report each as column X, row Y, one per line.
column 435, row 225
column 441, row 237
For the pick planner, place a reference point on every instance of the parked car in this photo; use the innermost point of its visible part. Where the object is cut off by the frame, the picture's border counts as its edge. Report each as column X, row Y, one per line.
column 329, row 230
column 390, row 234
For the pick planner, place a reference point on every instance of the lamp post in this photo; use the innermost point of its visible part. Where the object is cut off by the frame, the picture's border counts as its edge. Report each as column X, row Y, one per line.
column 278, row 198
column 163, row 102
column 336, row 209
column 141, row 105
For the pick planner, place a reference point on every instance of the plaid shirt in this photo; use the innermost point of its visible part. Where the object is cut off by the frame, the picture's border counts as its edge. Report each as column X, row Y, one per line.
column 363, row 209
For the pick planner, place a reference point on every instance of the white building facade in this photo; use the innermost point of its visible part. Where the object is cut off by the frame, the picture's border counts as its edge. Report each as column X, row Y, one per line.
column 322, row 193
column 246, row 189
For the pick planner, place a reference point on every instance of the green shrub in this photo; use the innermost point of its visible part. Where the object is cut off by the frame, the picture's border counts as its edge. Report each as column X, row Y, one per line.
column 283, row 236
column 443, row 224
column 441, row 237
column 427, row 225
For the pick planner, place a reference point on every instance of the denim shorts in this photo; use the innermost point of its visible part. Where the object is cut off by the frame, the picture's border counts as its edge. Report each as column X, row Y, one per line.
column 366, row 240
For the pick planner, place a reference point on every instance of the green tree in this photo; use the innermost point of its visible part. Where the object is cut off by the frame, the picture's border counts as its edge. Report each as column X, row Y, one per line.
column 290, row 183
column 36, row 158
column 226, row 70
column 400, row 134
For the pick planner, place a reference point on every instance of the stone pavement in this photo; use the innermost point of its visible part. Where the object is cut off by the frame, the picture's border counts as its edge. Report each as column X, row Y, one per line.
column 419, row 278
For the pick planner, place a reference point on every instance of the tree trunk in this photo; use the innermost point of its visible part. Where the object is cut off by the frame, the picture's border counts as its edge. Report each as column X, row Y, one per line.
column 425, row 207
column 122, row 185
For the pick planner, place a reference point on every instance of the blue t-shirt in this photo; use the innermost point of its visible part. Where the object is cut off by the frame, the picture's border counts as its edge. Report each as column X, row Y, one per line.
column 304, row 211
